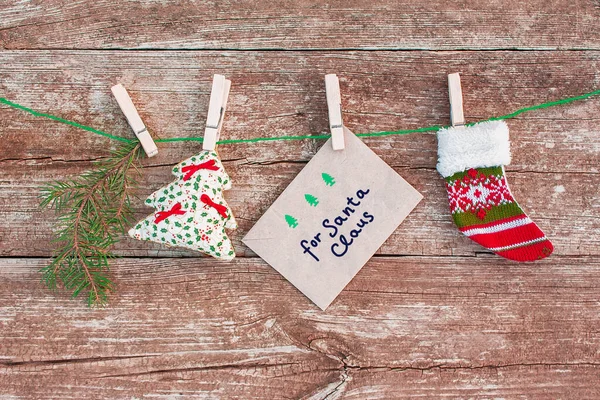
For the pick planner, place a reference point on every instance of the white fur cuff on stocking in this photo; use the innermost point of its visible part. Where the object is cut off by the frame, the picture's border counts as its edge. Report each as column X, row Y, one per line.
column 481, row 145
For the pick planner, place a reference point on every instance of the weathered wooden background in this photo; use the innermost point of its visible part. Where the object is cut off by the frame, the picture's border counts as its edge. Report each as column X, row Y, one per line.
column 432, row 315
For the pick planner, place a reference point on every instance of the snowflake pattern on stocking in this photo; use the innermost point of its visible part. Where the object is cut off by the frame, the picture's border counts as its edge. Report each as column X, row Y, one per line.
column 477, row 193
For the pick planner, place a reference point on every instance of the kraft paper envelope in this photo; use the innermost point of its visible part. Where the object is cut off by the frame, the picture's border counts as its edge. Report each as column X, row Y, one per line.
column 332, row 218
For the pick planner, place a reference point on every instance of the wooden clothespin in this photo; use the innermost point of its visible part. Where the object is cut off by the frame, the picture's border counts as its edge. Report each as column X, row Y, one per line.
column 457, row 117
column 216, row 111
column 334, row 105
column 134, row 120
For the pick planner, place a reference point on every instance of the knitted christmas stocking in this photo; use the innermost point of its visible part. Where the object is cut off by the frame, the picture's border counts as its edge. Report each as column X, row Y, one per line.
column 471, row 160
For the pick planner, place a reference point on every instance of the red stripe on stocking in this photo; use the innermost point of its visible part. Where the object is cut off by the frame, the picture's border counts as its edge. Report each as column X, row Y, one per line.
column 509, row 237
column 531, row 252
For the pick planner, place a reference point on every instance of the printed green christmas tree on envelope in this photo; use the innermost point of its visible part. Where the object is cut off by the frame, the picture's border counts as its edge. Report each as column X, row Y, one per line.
column 332, row 218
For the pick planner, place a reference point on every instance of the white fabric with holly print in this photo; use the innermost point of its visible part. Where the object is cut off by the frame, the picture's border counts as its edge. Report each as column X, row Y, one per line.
column 191, row 211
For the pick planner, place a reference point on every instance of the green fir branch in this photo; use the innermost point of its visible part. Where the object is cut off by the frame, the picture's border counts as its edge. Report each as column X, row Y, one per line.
column 93, row 210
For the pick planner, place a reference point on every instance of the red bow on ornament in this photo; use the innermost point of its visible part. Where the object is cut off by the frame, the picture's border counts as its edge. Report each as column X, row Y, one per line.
column 175, row 210
column 221, row 209
column 192, row 169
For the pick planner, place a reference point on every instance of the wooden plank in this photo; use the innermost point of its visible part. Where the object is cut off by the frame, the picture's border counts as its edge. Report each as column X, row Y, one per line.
column 282, row 94
column 356, row 24
column 530, row 382
column 413, row 325
column 570, row 217
column 554, row 173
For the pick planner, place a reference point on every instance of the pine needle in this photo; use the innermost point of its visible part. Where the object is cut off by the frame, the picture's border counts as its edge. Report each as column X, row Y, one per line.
column 93, row 210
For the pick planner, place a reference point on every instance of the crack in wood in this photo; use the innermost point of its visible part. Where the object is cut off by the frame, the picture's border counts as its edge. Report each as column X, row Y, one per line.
column 247, row 162
column 9, row 363
column 345, row 366
column 52, row 159
column 471, row 367
column 307, row 49
column 222, row 367
column 340, row 387
column 274, row 162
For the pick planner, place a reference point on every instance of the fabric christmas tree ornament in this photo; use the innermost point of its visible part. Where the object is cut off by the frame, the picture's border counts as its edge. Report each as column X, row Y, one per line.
column 471, row 159
column 191, row 211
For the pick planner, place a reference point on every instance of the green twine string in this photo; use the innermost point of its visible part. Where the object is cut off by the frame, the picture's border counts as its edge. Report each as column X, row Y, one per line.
column 64, row 121
column 433, row 128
